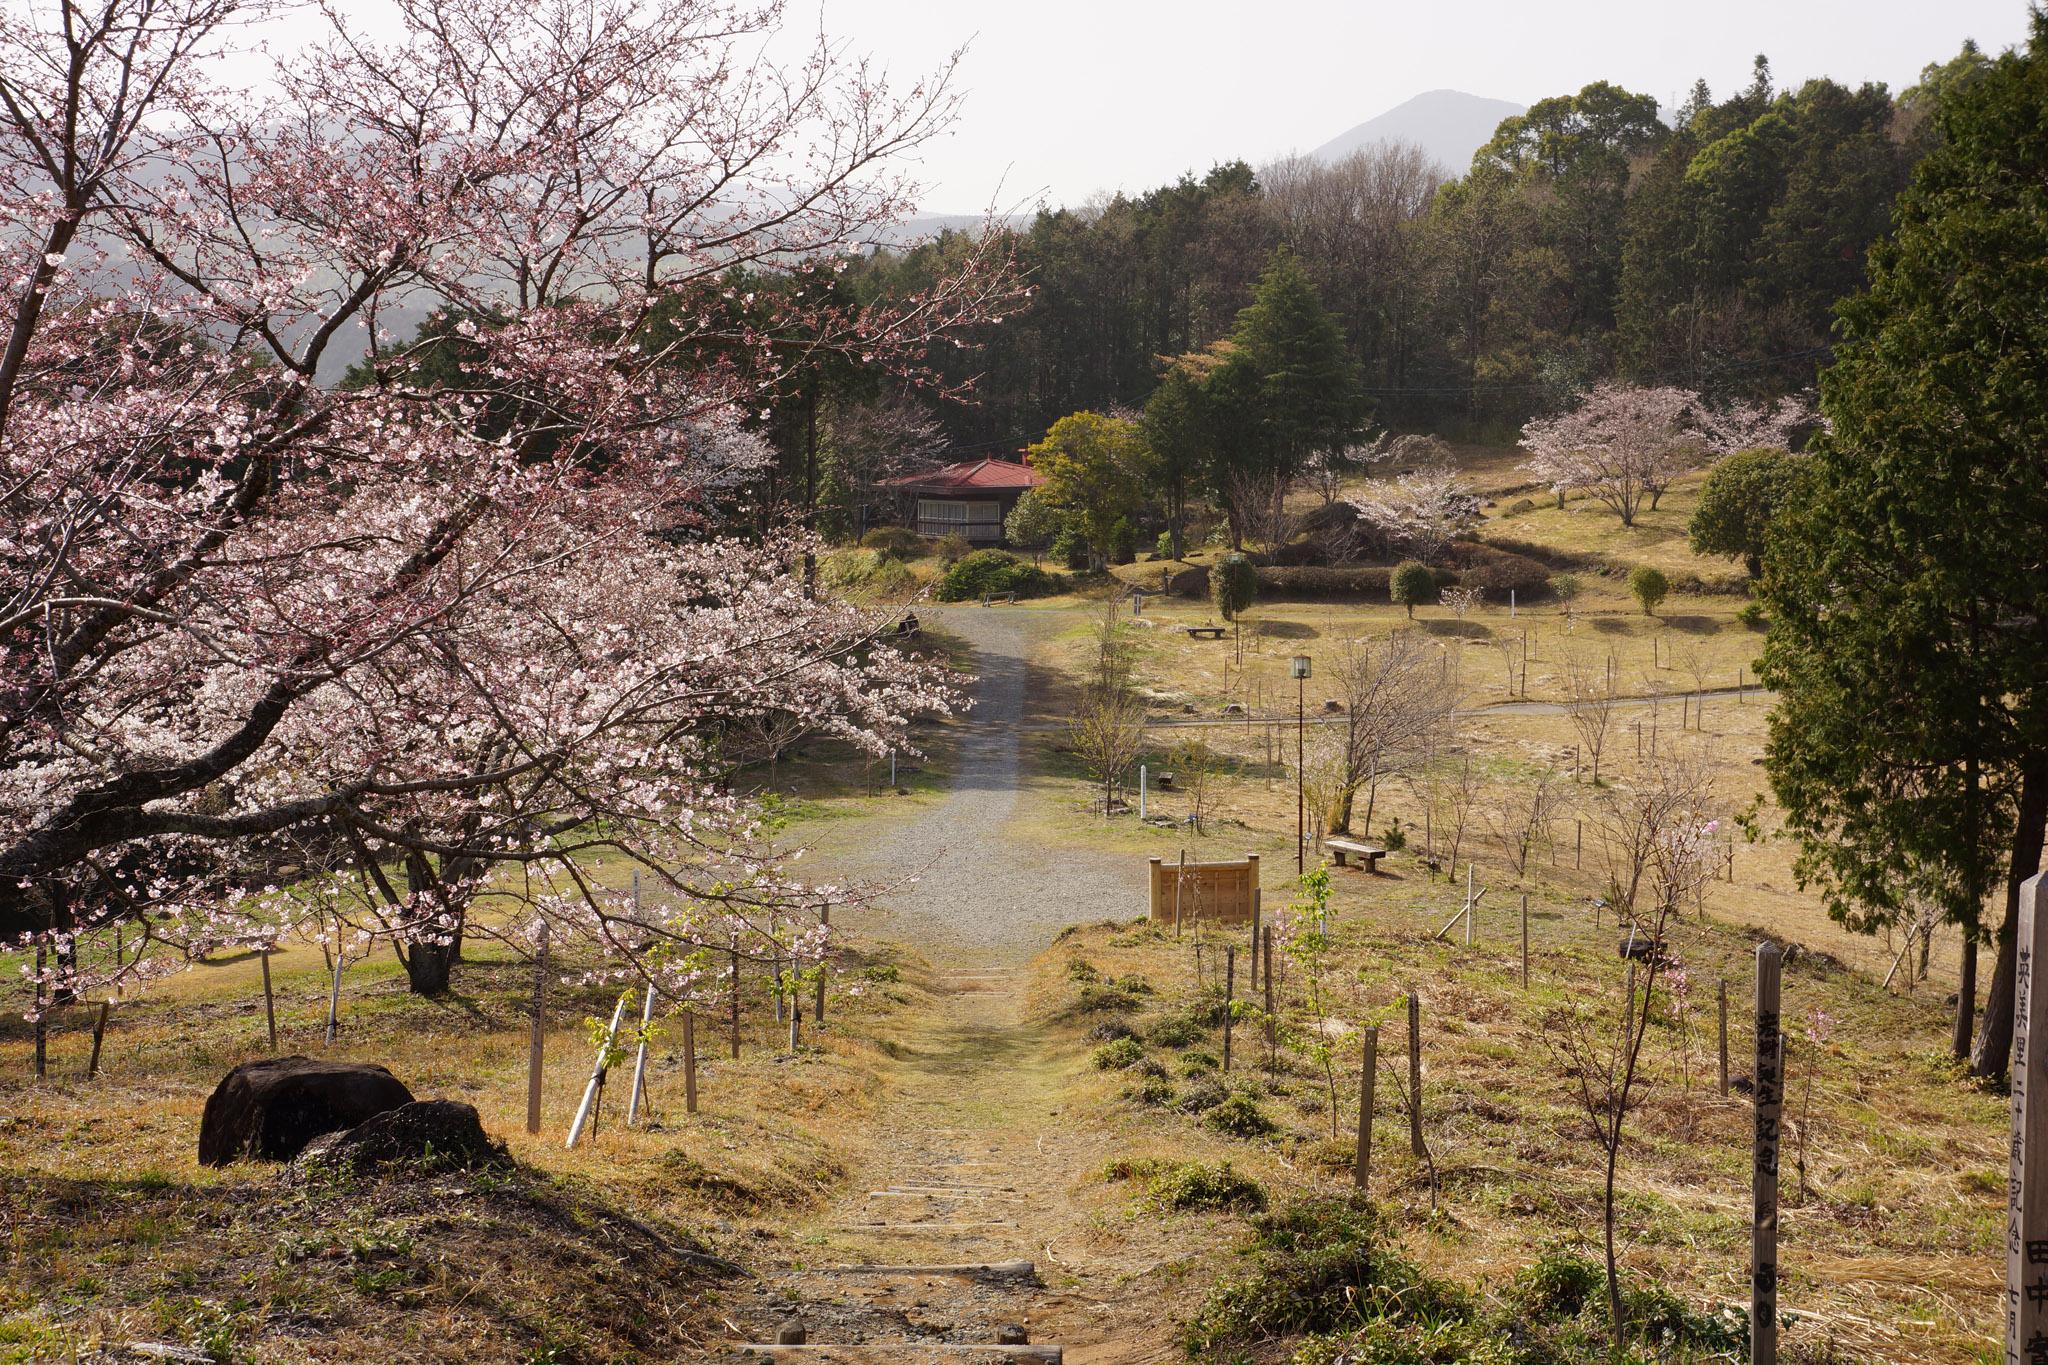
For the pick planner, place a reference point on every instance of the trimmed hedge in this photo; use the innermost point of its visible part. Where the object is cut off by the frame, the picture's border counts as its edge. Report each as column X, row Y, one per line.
column 1317, row 581
column 993, row 571
column 1496, row 571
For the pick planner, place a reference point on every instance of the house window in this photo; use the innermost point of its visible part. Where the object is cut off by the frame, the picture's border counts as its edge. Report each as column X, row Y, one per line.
column 947, row 516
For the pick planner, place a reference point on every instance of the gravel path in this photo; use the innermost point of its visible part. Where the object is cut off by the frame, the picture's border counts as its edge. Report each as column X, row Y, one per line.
column 980, row 894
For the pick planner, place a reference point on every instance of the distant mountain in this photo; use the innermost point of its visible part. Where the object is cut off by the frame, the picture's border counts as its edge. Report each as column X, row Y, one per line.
column 1448, row 124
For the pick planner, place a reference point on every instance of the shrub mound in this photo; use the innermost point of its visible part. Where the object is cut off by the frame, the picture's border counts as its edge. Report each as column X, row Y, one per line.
column 897, row 542
column 993, row 571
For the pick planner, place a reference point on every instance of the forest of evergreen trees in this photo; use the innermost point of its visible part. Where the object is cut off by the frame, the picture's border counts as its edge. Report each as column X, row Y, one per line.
column 1587, row 240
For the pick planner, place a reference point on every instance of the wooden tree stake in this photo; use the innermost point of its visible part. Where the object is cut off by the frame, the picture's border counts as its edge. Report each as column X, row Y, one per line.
column 1525, row 940
column 735, row 999
column 2026, row 1228
column 1361, row 1165
column 269, row 1002
column 99, row 1032
column 1770, row 1101
column 1721, row 999
column 689, row 1061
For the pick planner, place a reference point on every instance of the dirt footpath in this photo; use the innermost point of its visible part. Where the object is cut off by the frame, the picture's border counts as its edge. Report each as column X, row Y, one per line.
column 983, row 1165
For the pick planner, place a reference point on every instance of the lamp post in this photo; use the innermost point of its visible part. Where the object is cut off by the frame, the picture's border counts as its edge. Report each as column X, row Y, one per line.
column 1299, row 667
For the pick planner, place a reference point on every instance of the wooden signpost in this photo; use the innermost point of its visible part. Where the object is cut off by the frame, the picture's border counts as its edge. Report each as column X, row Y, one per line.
column 1361, row 1165
column 537, row 1044
column 1770, row 1102
column 2026, row 1219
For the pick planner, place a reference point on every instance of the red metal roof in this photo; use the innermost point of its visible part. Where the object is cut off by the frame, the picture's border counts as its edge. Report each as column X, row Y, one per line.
column 971, row 474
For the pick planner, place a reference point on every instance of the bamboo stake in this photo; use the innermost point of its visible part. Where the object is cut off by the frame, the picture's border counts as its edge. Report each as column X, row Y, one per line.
column 334, row 993
column 640, row 1062
column 1229, row 996
column 595, row 1087
column 1525, row 940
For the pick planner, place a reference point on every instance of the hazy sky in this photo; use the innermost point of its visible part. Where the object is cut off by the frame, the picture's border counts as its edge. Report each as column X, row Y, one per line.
column 1066, row 98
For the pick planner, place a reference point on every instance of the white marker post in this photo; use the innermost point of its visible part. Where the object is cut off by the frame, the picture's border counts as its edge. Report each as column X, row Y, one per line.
column 597, row 1070
column 1141, row 791
column 2026, row 1219
column 640, row 1061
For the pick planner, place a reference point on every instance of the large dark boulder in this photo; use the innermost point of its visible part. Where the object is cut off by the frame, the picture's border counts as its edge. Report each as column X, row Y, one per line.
column 273, row 1108
column 436, row 1134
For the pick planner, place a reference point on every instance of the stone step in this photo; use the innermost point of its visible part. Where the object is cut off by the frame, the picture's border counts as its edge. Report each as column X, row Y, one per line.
column 991, row 1270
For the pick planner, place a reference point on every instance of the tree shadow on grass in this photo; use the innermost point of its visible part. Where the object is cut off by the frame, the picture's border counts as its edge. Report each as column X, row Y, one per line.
column 1464, row 630
column 1695, row 625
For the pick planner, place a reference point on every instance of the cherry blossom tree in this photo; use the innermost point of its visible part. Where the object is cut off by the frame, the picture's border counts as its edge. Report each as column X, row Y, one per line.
column 461, row 628
column 1623, row 444
column 1419, row 512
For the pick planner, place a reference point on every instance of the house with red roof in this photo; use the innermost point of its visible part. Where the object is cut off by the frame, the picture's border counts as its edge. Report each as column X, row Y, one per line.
column 968, row 499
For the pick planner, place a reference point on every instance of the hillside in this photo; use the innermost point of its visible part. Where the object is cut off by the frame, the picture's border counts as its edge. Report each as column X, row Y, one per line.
column 1448, row 124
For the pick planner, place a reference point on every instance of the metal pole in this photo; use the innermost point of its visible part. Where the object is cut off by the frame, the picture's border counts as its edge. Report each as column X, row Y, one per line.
column 1141, row 792
column 1300, row 775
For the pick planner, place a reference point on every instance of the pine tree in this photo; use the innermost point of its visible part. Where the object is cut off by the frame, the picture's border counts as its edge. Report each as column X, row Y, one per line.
column 1307, row 386
column 1908, row 588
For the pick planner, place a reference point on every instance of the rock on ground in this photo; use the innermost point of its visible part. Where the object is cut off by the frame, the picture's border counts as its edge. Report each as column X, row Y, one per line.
column 271, row 1109
column 437, row 1134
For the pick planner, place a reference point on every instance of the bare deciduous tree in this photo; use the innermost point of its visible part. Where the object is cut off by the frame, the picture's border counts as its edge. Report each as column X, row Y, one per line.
column 1589, row 703
column 1521, row 814
column 1638, row 822
column 1109, row 722
column 1399, row 694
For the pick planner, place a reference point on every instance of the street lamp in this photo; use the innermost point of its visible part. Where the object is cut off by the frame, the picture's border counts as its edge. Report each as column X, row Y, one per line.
column 1299, row 667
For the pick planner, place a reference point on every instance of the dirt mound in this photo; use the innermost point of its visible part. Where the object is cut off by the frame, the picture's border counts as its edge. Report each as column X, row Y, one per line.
column 465, row 1266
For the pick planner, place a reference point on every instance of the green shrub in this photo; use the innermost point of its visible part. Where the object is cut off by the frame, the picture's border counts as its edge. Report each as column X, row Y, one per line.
column 1104, row 999
column 1196, row 1062
column 1649, row 586
column 1239, row 1115
column 1176, row 1030
column 993, row 571
column 952, row 548
column 1233, row 586
column 1203, row 1094
column 1186, row 1185
column 1123, row 542
column 1153, row 1090
column 897, row 542
column 1117, row 1055
column 1751, row 615
column 1321, row 1265
column 867, row 572
column 1162, row 548
column 1070, row 548
column 1109, row 1030
column 1556, row 1286
column 1565, row 587
column 1412, row 584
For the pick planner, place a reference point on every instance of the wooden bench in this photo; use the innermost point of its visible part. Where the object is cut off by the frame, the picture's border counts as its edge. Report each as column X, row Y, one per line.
column 1368, row 855
column 1007, row 597
column 1163, row 781
column 1199, row 632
